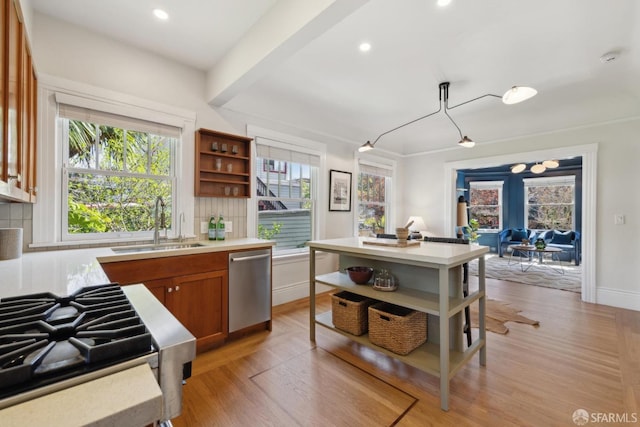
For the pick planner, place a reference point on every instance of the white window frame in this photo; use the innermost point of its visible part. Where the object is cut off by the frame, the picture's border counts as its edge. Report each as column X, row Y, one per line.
column 47, row 213
column 318, row 191
column 547, row 181
column 490, row 185
column 66, row 169
column 390, row 190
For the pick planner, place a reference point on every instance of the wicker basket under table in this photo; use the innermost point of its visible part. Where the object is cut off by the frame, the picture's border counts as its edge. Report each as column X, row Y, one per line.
column 398, row 329
column 349, row 312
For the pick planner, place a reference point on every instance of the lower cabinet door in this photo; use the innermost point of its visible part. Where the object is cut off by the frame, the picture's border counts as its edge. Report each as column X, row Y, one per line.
column 200, row 303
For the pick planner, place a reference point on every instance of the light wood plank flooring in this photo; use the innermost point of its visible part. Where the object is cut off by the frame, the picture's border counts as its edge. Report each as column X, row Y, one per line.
column 581, row 356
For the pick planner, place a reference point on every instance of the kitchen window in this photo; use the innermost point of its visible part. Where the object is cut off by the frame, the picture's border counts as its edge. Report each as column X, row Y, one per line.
column 109, row 158
column 286, row 195
column 374, row 197
column 550, row 202
column 485, row 204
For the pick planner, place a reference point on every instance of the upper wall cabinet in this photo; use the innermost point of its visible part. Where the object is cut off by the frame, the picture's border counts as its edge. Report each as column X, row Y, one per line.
column 223, row 164
column 18, row 102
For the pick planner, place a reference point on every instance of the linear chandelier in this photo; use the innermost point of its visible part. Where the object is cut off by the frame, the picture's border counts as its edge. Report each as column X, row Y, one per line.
column 512, row 96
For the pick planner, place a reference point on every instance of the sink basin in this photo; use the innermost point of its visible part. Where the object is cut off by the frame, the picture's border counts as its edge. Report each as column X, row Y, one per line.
column 158, row 247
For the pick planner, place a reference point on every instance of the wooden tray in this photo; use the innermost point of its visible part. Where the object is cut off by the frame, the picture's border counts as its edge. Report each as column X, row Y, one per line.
column 392, row 243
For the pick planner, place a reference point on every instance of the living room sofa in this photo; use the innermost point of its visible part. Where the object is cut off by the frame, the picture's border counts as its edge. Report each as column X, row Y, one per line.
column 567, row 240
column 514, row 236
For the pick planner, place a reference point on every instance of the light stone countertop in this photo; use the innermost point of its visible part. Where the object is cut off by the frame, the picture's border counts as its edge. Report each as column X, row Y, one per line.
column 437, row 254
column 65, row 271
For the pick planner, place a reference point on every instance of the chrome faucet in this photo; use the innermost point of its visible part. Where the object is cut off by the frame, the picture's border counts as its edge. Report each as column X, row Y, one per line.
column 156, row 233
column 180, row 221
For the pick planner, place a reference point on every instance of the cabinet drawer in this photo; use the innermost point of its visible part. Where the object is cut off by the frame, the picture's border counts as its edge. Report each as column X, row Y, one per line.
column 141, row 271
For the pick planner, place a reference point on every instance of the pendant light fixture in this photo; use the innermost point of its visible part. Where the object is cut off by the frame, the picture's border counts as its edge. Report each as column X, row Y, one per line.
column 537, row 168
column 512, row 96
column 518, row 94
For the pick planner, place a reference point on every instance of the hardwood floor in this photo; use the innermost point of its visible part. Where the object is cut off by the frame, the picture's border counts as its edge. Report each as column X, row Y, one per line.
column 582, row 356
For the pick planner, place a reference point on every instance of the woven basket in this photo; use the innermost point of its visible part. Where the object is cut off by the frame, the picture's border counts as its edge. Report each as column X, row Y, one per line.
column 398, row 329
column 349, row 312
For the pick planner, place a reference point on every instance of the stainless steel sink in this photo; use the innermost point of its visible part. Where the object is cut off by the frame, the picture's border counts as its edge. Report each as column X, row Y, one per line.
column 158, row 247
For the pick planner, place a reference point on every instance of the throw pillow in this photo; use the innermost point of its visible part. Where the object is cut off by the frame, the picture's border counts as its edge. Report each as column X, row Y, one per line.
column 517, row 235
column 560, row 238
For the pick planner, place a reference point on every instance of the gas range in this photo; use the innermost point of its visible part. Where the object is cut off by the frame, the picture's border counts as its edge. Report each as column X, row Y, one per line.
column 50, row 342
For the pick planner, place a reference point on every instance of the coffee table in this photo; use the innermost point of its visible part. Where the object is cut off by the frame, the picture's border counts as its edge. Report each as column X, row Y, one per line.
column 527, row 260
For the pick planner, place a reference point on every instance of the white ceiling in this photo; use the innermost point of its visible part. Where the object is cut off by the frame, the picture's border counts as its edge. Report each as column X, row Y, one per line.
column 481, row 47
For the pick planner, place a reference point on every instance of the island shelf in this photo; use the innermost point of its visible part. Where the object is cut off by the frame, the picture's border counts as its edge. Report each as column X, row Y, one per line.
column 430, row 280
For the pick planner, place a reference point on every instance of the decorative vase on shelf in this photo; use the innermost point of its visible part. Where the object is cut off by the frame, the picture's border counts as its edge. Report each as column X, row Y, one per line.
column 540, row 244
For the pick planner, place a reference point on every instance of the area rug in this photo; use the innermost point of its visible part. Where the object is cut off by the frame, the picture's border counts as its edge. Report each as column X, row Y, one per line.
column 498, row 313
column 545, row 275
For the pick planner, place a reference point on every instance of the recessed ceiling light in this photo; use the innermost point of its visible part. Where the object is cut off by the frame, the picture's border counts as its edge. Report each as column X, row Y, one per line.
column 161, row 14
column 443, row 3
column 364, row 47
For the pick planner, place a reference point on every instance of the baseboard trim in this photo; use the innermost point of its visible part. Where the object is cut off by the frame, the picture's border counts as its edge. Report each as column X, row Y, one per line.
column 295, row 291
column 618, row 298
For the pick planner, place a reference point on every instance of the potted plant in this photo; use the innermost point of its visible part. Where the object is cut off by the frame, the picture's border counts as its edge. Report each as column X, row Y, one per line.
column 472, row 230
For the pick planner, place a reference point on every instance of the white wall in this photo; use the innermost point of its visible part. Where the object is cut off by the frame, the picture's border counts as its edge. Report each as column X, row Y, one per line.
column 75, row 54
column 617, row 256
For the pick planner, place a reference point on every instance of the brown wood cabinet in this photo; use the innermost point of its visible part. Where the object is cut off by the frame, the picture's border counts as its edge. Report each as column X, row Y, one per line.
column 222, row 165
column 193, row 287
column 19, row 109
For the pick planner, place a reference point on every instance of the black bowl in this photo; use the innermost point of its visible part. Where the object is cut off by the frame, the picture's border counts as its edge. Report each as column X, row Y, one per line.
column 360, row 275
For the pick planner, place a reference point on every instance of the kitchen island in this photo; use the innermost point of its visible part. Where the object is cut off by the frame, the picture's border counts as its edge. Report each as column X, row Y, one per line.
column 430, row 281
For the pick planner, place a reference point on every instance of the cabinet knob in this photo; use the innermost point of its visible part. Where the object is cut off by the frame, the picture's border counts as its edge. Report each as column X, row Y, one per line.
column 177, row 288
column 169, row 290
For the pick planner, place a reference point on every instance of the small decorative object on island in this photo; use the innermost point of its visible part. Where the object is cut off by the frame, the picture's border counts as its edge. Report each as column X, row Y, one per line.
column 360, row 275
column 385, row 281
column 540, row 244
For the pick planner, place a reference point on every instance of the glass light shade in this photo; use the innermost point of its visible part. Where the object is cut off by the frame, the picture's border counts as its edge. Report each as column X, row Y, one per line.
column 466, row 142
column 365, row 147
column 551, row 164
column 518, row 168
column 518, row 94
column 418, row 223
column 538, row 168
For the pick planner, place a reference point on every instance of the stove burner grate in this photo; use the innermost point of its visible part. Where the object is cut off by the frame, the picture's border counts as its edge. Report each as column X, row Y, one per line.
column 44, row 338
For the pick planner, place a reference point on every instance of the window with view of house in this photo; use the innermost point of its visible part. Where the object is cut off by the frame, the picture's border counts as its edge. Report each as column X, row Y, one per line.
column 286, row 194
column 485, row 204
column 550, row 202
column 374, row 197
column 114, row 170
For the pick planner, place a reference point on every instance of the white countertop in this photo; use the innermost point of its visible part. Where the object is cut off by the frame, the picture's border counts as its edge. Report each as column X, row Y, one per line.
column 426, row 252
column 64, row 272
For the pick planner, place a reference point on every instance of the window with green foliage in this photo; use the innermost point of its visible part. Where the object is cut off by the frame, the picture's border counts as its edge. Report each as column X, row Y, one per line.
column 286, row 190
column 374, row 186
column 550, row 202
column 112, row 178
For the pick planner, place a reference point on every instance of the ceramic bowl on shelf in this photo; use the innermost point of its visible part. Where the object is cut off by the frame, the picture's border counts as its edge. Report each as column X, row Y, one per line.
column 360, row 275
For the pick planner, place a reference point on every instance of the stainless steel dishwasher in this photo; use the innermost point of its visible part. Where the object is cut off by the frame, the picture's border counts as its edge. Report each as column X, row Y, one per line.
column 249, row 288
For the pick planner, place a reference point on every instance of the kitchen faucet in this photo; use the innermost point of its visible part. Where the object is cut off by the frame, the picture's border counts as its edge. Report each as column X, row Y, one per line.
column 156, row 232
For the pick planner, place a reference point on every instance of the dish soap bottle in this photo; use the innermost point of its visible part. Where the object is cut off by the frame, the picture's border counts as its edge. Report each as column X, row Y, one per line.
column 220, row 228
column 212, row 228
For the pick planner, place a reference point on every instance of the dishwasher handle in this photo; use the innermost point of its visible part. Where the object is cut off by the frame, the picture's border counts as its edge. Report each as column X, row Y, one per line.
column 249, row 258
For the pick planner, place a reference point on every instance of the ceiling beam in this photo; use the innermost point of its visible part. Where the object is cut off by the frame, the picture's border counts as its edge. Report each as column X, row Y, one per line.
column 285, row 28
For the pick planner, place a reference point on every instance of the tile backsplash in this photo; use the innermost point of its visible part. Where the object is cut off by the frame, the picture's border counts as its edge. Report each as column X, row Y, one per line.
column 20, row 215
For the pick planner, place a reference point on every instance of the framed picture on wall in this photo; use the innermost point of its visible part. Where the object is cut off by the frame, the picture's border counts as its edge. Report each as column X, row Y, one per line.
column 339, row 191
